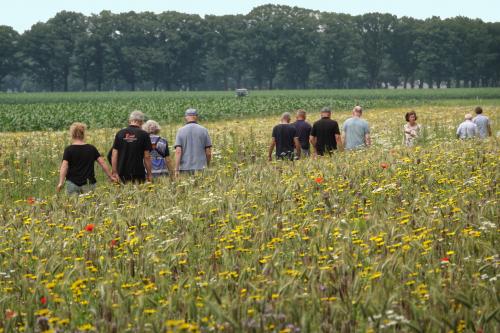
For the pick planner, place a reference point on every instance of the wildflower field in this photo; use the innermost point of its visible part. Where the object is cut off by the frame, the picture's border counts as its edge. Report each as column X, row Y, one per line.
column 388, row 239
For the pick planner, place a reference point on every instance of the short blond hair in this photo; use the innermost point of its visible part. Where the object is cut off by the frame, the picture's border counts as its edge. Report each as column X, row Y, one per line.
column 152, row 127
column 77, row 130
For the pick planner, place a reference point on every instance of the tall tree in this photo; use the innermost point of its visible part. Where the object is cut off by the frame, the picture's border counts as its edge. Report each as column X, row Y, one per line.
column 9, row 47
column 374, row 30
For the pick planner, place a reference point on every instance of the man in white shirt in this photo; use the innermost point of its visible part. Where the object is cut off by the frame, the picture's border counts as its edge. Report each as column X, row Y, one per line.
column 467, row 129
column 482, row 122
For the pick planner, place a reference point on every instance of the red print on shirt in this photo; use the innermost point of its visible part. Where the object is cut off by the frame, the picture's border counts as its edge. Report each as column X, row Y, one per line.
column 130, row 137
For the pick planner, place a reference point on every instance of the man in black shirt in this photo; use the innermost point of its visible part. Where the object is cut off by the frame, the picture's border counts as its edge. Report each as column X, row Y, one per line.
column 285, row 139
column 325, row 134
column 303, row 131
column 130, row 157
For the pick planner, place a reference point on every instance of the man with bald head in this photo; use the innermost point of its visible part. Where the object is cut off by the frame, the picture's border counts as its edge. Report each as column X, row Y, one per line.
column 356, row 131
column 325, row 134
column 303, row 131
column 285, row 139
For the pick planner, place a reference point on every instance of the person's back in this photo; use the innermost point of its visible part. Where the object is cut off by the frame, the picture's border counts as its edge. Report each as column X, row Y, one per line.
column 324, row 130
column 467, row 130
column 284, row 135
column 482, row 122
column 131, row 142
column 355, row 131
column 158, row 153
column 193, row 139
column 303, row 129
column 81, row 158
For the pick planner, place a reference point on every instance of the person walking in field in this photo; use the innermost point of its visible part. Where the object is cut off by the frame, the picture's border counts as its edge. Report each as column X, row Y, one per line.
column 285, row 139
column 161, row 164
column 467, row 129
column 77, row 167
column 303, row 129
column 356, row 131
column 130, row 159
column 482, row 122
column 325, row 134
column 193, row 146
column 411, row 129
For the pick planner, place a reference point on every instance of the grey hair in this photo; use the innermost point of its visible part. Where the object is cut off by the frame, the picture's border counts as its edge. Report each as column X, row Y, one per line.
column 136, row 115
column 286, row 116
column 326, row 109
column 152, row 127
column 357, row 108
column 468, row 116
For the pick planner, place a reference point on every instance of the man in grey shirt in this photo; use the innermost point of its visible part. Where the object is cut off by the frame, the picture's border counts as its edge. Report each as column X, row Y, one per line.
column 483, row 123
column 193, row 147
column 356, row 131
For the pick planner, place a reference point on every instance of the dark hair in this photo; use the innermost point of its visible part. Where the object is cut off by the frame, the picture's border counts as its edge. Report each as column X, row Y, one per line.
column 408, row 114
column 478, row 110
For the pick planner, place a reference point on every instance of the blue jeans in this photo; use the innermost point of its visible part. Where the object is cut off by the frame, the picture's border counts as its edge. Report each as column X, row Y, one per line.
column 72, row 188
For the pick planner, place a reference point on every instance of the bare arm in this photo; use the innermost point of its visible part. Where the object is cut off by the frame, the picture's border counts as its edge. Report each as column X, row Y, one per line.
column 178, row 155
column 63, row 171
column 271, row 149
column 114, row 162
column 489, row 129
column 208, row 154
column 368, row 140
column 106, row 170
column 170, row 167
column 313, row 140
column 297, row 146
column 147, row 165
column 340, row 146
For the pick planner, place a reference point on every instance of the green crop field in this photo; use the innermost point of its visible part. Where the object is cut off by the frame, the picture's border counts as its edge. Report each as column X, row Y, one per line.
column 388, row 239
column 44, row 111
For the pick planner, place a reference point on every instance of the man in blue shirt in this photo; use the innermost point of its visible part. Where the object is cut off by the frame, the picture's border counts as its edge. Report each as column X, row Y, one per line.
column 303, row 131
column 356, row 131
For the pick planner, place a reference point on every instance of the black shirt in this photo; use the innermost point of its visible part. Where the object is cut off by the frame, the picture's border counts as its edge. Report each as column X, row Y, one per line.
column 81, row 160
column 303, row 131
column 131, row 142
column 284, row 134
column 324, row 130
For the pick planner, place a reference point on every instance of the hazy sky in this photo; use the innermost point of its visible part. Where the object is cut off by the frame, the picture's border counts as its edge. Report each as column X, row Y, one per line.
column 21, row 14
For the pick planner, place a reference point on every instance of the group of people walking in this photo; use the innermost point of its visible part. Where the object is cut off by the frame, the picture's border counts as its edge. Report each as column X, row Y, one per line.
column 139, row 153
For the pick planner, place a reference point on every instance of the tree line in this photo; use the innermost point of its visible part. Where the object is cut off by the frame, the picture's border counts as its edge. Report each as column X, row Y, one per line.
column 270, row 47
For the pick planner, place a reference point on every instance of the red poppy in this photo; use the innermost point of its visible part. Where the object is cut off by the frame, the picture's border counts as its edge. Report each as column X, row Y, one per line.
column 9, row 314
column 113, row 243
column 445, row 260
column 384, row 165
column 89, row 227
column 43, row 300
column 319, row 180
column 30, row 200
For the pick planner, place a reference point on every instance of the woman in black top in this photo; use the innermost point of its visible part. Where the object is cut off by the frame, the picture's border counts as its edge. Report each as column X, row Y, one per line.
column 77, row 167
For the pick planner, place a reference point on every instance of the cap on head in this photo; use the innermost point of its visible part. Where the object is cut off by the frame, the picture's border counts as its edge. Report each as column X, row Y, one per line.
column 137, row 116
column 468, row 116
column 191, row 112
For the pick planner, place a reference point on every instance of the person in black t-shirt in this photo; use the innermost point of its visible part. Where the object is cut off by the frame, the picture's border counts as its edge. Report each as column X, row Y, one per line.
column 285, row 140
column 130, row 155
column 77, row 167
column 325, row 134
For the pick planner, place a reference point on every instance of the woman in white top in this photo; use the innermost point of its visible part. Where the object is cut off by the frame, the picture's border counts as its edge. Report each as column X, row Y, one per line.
column 412, row 130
